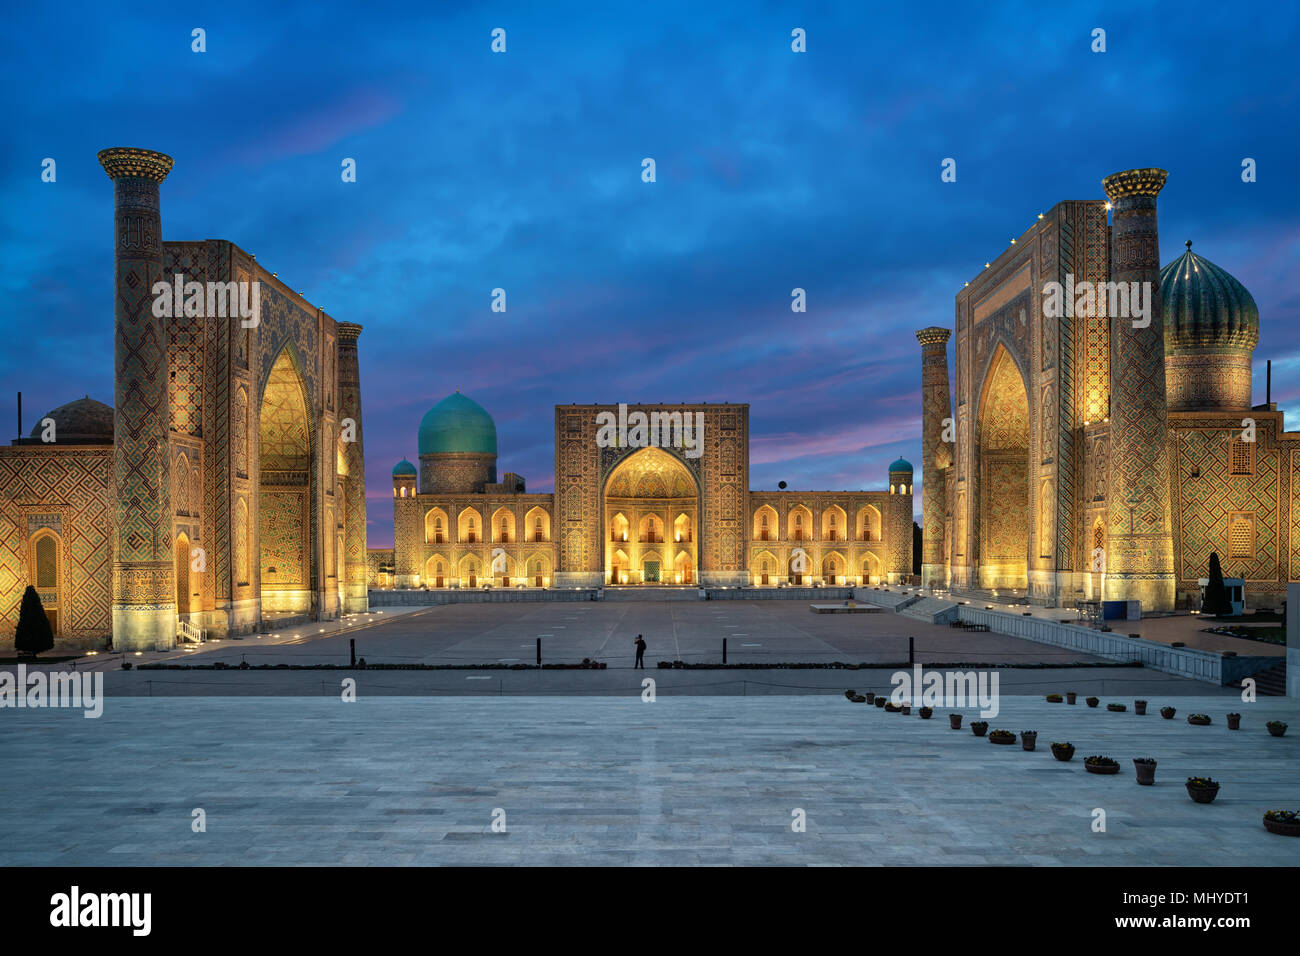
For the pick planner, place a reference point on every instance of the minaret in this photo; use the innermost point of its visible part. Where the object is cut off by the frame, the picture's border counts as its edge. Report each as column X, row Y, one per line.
column 1139, row 549
column 936, row 454
column 355, row 593
column 144, row 590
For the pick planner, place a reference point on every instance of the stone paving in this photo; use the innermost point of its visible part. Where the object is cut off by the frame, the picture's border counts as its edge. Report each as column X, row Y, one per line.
column 614, row 780
column 756, row 631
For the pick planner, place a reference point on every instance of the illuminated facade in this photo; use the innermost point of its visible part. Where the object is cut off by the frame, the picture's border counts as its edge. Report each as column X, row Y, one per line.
column 1104, row 456
column 224, row 487
column 628, row 515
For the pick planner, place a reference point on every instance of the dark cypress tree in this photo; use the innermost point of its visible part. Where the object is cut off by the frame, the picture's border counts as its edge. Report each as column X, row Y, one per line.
column 916, row 548
column 33, row 633
column 1216, row 595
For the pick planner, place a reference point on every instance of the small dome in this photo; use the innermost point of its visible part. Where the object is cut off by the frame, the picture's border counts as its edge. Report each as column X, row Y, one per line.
column 404, row 469
column 902, row 464
column 1205, row 307
column 83, row 422
column 457, row 425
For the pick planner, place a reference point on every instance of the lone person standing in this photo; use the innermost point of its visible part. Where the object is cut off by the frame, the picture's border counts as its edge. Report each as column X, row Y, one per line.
column 640, row 653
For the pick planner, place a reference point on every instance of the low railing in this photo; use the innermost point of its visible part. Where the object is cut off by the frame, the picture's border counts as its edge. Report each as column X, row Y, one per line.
column 185, row 631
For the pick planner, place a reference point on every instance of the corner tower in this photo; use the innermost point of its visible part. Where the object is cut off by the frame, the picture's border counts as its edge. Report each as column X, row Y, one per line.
column 144, row 591
column 1140, row 551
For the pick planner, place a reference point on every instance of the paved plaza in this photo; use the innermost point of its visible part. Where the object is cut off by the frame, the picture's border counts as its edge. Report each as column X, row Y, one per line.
column 683, row 780
column 757, row 632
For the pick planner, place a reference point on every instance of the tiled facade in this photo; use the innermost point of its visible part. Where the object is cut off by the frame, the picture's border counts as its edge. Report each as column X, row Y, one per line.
column 641, row 515
column 1074, row 467
column 230, row 485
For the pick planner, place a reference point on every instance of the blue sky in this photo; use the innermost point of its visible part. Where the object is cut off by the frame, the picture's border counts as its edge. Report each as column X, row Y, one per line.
column 522, row 170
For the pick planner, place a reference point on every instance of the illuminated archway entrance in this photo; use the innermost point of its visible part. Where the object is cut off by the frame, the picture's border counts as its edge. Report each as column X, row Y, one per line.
column 182, row 575
column 1003, row 430
column 284, row 496
column 651, row 512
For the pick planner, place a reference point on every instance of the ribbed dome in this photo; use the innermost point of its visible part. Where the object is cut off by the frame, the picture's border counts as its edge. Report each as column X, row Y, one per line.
column 404, row 469
column 1205, row 307
column 83, row 422
column 457, row 425
column 901, row 464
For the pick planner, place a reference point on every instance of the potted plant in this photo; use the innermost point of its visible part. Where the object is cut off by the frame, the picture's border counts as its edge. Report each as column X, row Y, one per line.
column 1070, row 696
column 1167, row 713
column 1139, row 707
column 1234, row 721
column 1199, row 720
column 1054, row 698
column 926, row 712
column 1146, row 770
column 1283, row 822
column 1202, row 789
column 1276, row 727
column 1028, row 739
column 1062, row 751
column 850, row 693
column 1117, row 708
column 906, row 707
column 954, row 721
column 1002, row 737
column 1099, row 764
column 871, row 698
column 881, row 701
column 1093, row 701
column 891, row 707
column 979, row 727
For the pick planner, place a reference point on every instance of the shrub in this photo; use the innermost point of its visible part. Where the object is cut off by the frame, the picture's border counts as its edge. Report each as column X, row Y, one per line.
column 33, row 633
column 1054, row 698
column 1216, row 595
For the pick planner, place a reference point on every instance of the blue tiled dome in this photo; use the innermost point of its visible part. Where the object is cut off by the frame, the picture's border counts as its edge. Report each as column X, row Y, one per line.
column 457, row 425
column 404, row 469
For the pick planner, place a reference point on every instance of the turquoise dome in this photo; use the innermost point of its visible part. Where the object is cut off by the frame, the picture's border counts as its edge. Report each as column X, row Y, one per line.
column 902, row 464
column 404, row 469
column 457, row 425
column 1205, row 307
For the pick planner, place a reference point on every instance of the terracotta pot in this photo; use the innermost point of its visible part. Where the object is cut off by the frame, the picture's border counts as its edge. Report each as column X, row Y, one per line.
column 979, row 728
column 1064, row 754
column 1234, row 721
column 1093, row 701
column 1277, row 731
column 925, row 713
column 1003, row 741
column 1095, row 768
column 1168, row 713
column 871, row 698
column 1139, row 707
column 1028, row 740
column 1146, row 773
column 1202, row 794
column 954, row 721
column 907, row 709
column 1198, row 721
column 1070, row 697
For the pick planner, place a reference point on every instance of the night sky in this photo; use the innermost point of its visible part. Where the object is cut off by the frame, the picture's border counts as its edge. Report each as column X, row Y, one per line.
column 522, row 170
